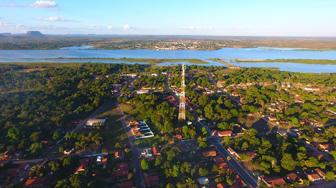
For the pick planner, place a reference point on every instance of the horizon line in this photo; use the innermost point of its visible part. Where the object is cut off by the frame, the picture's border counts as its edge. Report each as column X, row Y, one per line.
column 177, row 35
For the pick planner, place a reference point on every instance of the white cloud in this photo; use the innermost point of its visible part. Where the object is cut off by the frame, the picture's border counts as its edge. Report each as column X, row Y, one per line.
column 44, row 4
column 53, row 19
column 56, row 19
column 127, row 27
column 195, row 28
column 2, row 24
column 11, row 28
column 110, row 27
column 13, row 5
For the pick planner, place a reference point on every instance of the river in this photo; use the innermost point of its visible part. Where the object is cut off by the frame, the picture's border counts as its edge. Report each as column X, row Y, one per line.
column 228, row 54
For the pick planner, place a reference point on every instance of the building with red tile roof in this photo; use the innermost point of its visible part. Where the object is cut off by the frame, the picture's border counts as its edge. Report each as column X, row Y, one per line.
column 83, row 164
column 34, row 182
column 293, row 177
column 209, row 153
column 118, row 154
column 226, row 133
column 320, row 173
column 155, row 151
column 273, row 182
column 313, row 177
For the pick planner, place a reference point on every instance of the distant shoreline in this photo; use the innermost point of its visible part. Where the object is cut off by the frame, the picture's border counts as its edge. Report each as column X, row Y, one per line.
column 55, row 42
column 301, row 61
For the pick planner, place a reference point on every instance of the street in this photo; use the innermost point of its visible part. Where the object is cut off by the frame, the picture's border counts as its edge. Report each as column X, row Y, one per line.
column 139, row 177
column 246, row 176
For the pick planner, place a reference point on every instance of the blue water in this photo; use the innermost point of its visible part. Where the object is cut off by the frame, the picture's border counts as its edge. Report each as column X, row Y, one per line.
column 228, row 54
column 292, row 67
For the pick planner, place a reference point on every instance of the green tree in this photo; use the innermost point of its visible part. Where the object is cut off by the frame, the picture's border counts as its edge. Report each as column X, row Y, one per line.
column 223, row 126
column 75, row 181
column 56, row 135
column 287, row 162
column 333, row 153
column 311, row 162
column 201, row 142
column 64, row 183
column 330, row 176
column 13, row 134
column 35, row 147
column 144, row 164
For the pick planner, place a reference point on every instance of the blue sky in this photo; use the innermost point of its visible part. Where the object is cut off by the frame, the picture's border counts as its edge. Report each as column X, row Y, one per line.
column 169, row 17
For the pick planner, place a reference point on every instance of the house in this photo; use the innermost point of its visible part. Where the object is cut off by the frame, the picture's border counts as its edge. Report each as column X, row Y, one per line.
column 251, row 154
column 232, row 152
column 311, row 89
column 132, row 75
column 238, row 182
column 68, row 151
column 172, row 100
column 140, row 129
column 272, row 119
column 313, row 177
column 142, row 91
column 178, row 136
column 222, row 133
column 34, row 182
column 320, row 173
column 293, row 177
column 222, row 165
column 220, row 162
column 282, row 132
column 95, row 122
column 119, row 154
column 220, row 84
column 151, row 180
column 273, row 182
column 218, row 159
column 147, row 153
column 102, row 160
column 4, row 158
column 210, row 153
column 155, row 151
column 83, row 165
column 324, row 146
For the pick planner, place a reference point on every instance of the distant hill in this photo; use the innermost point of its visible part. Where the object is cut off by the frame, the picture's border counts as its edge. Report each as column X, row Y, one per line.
column 34, row 34
column 5, row 34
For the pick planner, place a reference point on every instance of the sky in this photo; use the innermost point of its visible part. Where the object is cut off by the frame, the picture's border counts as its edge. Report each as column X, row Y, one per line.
column 171, row 17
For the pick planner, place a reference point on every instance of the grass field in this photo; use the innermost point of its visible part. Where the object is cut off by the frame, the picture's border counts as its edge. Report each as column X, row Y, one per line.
column 113, row 134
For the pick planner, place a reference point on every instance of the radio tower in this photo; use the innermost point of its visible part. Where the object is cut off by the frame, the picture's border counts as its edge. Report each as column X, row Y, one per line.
column 182, row 106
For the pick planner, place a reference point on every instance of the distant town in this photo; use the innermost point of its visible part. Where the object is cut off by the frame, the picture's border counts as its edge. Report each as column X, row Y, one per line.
column 39, row 41
column 118, row 125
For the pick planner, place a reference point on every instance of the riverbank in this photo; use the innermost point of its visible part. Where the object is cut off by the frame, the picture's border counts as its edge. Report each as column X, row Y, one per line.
column 301, row 61
column 138, row 60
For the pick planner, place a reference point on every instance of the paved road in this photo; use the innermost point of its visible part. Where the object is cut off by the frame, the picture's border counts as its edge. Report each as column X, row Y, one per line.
column 139, row 177
column 246, row 175
column 243, row 173
column 40, row 160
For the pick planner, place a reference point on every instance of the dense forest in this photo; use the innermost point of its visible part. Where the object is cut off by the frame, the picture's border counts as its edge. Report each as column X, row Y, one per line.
column 39, row 102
